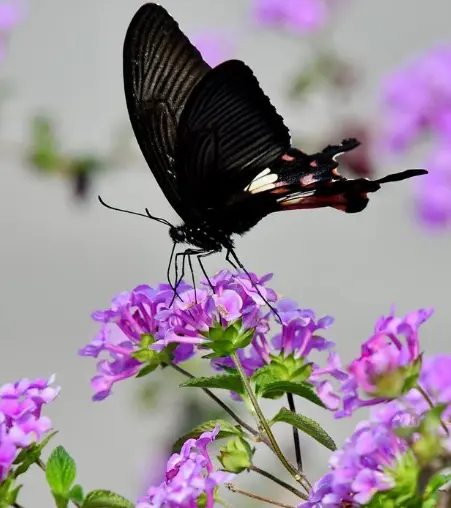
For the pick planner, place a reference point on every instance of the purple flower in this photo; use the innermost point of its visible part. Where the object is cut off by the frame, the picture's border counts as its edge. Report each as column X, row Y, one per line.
column 386, row 362
column 21, row 422
column 362, row 467
column 294, row 15
column 433, row 196
column 214, row 49
column 189, row 475
column 10, row 15
column 418, row 105
column 143, row 323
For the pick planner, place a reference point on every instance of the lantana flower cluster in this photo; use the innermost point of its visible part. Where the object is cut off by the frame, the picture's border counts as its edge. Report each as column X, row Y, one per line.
column 418, row 104
column 21, row 421
column 146, row 321
column 391, row 375
column 190, row 477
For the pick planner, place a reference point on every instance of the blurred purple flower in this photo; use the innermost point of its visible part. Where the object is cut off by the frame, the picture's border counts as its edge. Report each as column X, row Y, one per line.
column 189, row 474
column 418, row 104
column 214, row 48
column 433, row 196
column 21, row 422
column 385, row 364
column 295, row 15
column 11, row 13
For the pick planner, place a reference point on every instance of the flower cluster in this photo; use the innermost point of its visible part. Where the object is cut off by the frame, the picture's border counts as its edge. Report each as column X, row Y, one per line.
column 21, row 422
column 294, row 15
column 418, row 103
column 387, row 364
column 147, row 321
column 144, row 323
column 190, row 477
column 362, row 467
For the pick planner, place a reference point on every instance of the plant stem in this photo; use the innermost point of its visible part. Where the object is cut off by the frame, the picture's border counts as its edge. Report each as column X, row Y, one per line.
column 233, row 488
column 431, row 404
column 224, row 503
column 219, row 402
column 283, row 484
column 297, row 444
column 263, row 422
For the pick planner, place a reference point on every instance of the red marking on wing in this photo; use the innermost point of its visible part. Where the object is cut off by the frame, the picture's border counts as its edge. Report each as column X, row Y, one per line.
column 287, row 158
column 307, row 180
column 313, row 164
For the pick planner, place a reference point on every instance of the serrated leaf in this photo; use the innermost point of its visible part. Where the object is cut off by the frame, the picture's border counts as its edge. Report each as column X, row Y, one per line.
column 227, row 430
column 105, row 499
column 61, row 471
column 276, row 389
column 76, row 494
column 224, row 382
column 306, row 425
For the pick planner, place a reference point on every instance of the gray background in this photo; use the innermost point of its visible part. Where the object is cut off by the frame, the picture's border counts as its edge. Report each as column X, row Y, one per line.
column 59, row 261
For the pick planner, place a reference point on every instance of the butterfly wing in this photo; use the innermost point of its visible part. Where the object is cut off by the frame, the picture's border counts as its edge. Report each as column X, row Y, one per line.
column 161, row 68
column 228, row 132
column 301, row 181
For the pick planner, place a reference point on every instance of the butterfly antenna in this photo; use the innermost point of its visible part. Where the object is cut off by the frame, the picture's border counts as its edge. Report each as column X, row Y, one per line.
column 147, row 215
column 240, row 264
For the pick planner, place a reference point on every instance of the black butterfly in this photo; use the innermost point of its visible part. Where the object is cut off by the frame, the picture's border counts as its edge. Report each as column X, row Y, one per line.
column 217, row 147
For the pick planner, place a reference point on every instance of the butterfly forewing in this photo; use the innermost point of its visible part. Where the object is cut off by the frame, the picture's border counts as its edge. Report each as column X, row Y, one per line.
column 161, row 68
column 228, row 132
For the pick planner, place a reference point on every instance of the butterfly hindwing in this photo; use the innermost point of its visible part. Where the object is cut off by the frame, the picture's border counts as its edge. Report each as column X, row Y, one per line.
column 161, row 67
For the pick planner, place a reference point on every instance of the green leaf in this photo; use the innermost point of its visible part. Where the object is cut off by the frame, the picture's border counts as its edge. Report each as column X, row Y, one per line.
column 306, row 425
column 276, row 389
column 105, row 499
column 147, row 369
column 227, row 430
column 76, row 494
column 61, row 500
column 7, row 492
column 61, row 471
column 224, row 382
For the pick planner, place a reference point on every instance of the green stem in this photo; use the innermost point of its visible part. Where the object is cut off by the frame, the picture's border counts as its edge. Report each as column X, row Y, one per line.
column 263, row 422
column 224, row 503
column 233, row 488
column 431, row 405
column 219, row 402
column 283, row 484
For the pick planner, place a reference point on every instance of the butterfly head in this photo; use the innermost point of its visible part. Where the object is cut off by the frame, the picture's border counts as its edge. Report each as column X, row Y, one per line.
column 178, row 234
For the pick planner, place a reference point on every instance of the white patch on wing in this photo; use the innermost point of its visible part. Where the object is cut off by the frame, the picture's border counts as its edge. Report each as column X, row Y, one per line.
column 262, row 182
column 296, row 196
column 335, row 157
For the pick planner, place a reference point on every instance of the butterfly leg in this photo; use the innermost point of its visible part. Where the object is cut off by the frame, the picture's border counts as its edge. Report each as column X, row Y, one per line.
column 199, row 259
column 230, row 261
column 178, row 279
column 240, row 264
column 168, row 272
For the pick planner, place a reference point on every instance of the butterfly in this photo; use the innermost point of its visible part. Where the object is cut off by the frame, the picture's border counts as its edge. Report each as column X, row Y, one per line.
column 216, row 145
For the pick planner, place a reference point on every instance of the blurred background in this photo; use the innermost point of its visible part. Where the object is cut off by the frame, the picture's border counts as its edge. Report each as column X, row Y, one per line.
column 378, row 70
